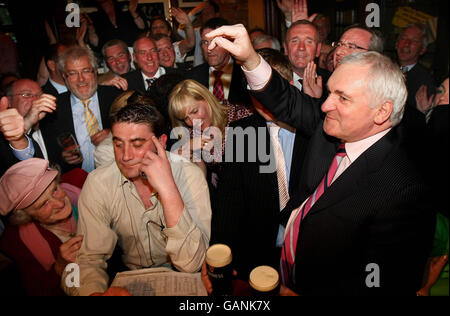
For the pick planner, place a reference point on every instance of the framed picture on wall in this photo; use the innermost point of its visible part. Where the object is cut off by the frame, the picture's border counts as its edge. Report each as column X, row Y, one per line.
column 188, row 3
column 153, row 8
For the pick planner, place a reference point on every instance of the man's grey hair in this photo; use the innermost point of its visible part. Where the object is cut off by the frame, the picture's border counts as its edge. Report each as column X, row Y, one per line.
column 385, row 81
column 275, row 44
column 75, row 53
column 424, row 30
column 115, row 42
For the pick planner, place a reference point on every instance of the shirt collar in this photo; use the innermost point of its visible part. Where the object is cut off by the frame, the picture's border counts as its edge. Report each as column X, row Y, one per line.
column 59, row 87
column 409, row 67
column 226, row 69
column 161, row 71
column 75, row 100
column 355, row 149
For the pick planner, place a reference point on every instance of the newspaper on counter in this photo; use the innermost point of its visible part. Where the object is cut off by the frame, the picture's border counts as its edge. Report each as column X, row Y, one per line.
column 160, row 282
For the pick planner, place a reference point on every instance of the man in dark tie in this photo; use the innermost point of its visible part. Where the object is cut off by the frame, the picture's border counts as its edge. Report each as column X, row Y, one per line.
column 302, row 47
column 149, row 69
column 220, row 74
column 361, row 207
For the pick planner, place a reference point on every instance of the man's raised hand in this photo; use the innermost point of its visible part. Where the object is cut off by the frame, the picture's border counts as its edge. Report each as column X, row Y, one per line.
column 235, row 39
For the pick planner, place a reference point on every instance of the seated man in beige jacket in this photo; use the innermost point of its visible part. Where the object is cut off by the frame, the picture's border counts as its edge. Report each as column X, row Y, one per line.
column 151, row 203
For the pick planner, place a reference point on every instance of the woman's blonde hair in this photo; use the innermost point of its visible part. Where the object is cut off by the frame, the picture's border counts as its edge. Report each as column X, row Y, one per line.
column 193, row 89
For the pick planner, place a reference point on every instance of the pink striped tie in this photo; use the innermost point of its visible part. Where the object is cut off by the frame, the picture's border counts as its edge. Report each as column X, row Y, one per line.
column 218, row 85
column 291, row 238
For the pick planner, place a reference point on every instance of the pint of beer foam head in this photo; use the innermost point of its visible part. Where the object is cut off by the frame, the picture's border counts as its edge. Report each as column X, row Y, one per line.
column 220, row 272
column 264, row 280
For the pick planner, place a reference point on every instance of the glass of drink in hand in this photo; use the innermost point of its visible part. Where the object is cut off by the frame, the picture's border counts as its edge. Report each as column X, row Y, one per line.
column 69, row 143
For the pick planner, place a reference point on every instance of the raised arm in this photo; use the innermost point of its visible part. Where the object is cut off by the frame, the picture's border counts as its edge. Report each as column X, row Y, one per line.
column 136, row 17
column 189, row 41
column 284, row 101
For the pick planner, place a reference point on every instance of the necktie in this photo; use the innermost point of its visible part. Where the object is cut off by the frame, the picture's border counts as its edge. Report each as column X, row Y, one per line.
column 281, row 166
column 291, row 239
column 404, row 69
column 150, row 82
column 90, row 120
column 218, row 85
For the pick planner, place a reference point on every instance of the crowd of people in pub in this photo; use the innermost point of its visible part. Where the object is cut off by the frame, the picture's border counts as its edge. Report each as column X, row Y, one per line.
column 318, row 159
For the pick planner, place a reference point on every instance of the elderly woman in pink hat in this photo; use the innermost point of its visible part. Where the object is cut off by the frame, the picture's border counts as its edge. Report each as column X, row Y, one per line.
column 42, row 225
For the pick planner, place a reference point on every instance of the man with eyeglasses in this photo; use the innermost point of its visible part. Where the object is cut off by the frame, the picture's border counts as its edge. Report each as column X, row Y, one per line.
column 82, row 111
column 357, row 39
column 145, row 55
column 153, row 206
column 27, row 105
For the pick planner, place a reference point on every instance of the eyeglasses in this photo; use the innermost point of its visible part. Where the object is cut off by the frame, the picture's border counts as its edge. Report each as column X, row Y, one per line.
column 350, row 46
column 27, row 95
column 85, row 72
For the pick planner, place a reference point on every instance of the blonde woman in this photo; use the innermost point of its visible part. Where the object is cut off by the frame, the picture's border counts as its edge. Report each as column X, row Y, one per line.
column 193, row 106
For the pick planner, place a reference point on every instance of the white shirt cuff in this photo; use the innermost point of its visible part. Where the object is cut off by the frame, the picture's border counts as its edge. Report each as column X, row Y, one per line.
column 260, row 76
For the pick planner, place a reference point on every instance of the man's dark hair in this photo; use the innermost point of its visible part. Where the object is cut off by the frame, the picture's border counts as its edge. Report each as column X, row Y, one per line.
column 214, row 23
column 51, row 53
column 304, row 22
column 160, row 18
column 137, row 113
column 214, row 5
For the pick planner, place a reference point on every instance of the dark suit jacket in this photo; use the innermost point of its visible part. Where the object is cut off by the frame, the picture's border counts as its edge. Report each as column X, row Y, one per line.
column 62, row 121
column 415, row 78
column 377, row 211
column 238, row 89
column 136, row 81
column 7, row 158
column 48, row 88
column 438, row 153
column 246, row 207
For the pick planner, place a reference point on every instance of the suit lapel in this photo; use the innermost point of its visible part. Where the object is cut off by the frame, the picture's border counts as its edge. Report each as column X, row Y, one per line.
column 102, row 104
column 298, row 157
column 204, row 79
column 356, row 176
column 140, row 81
